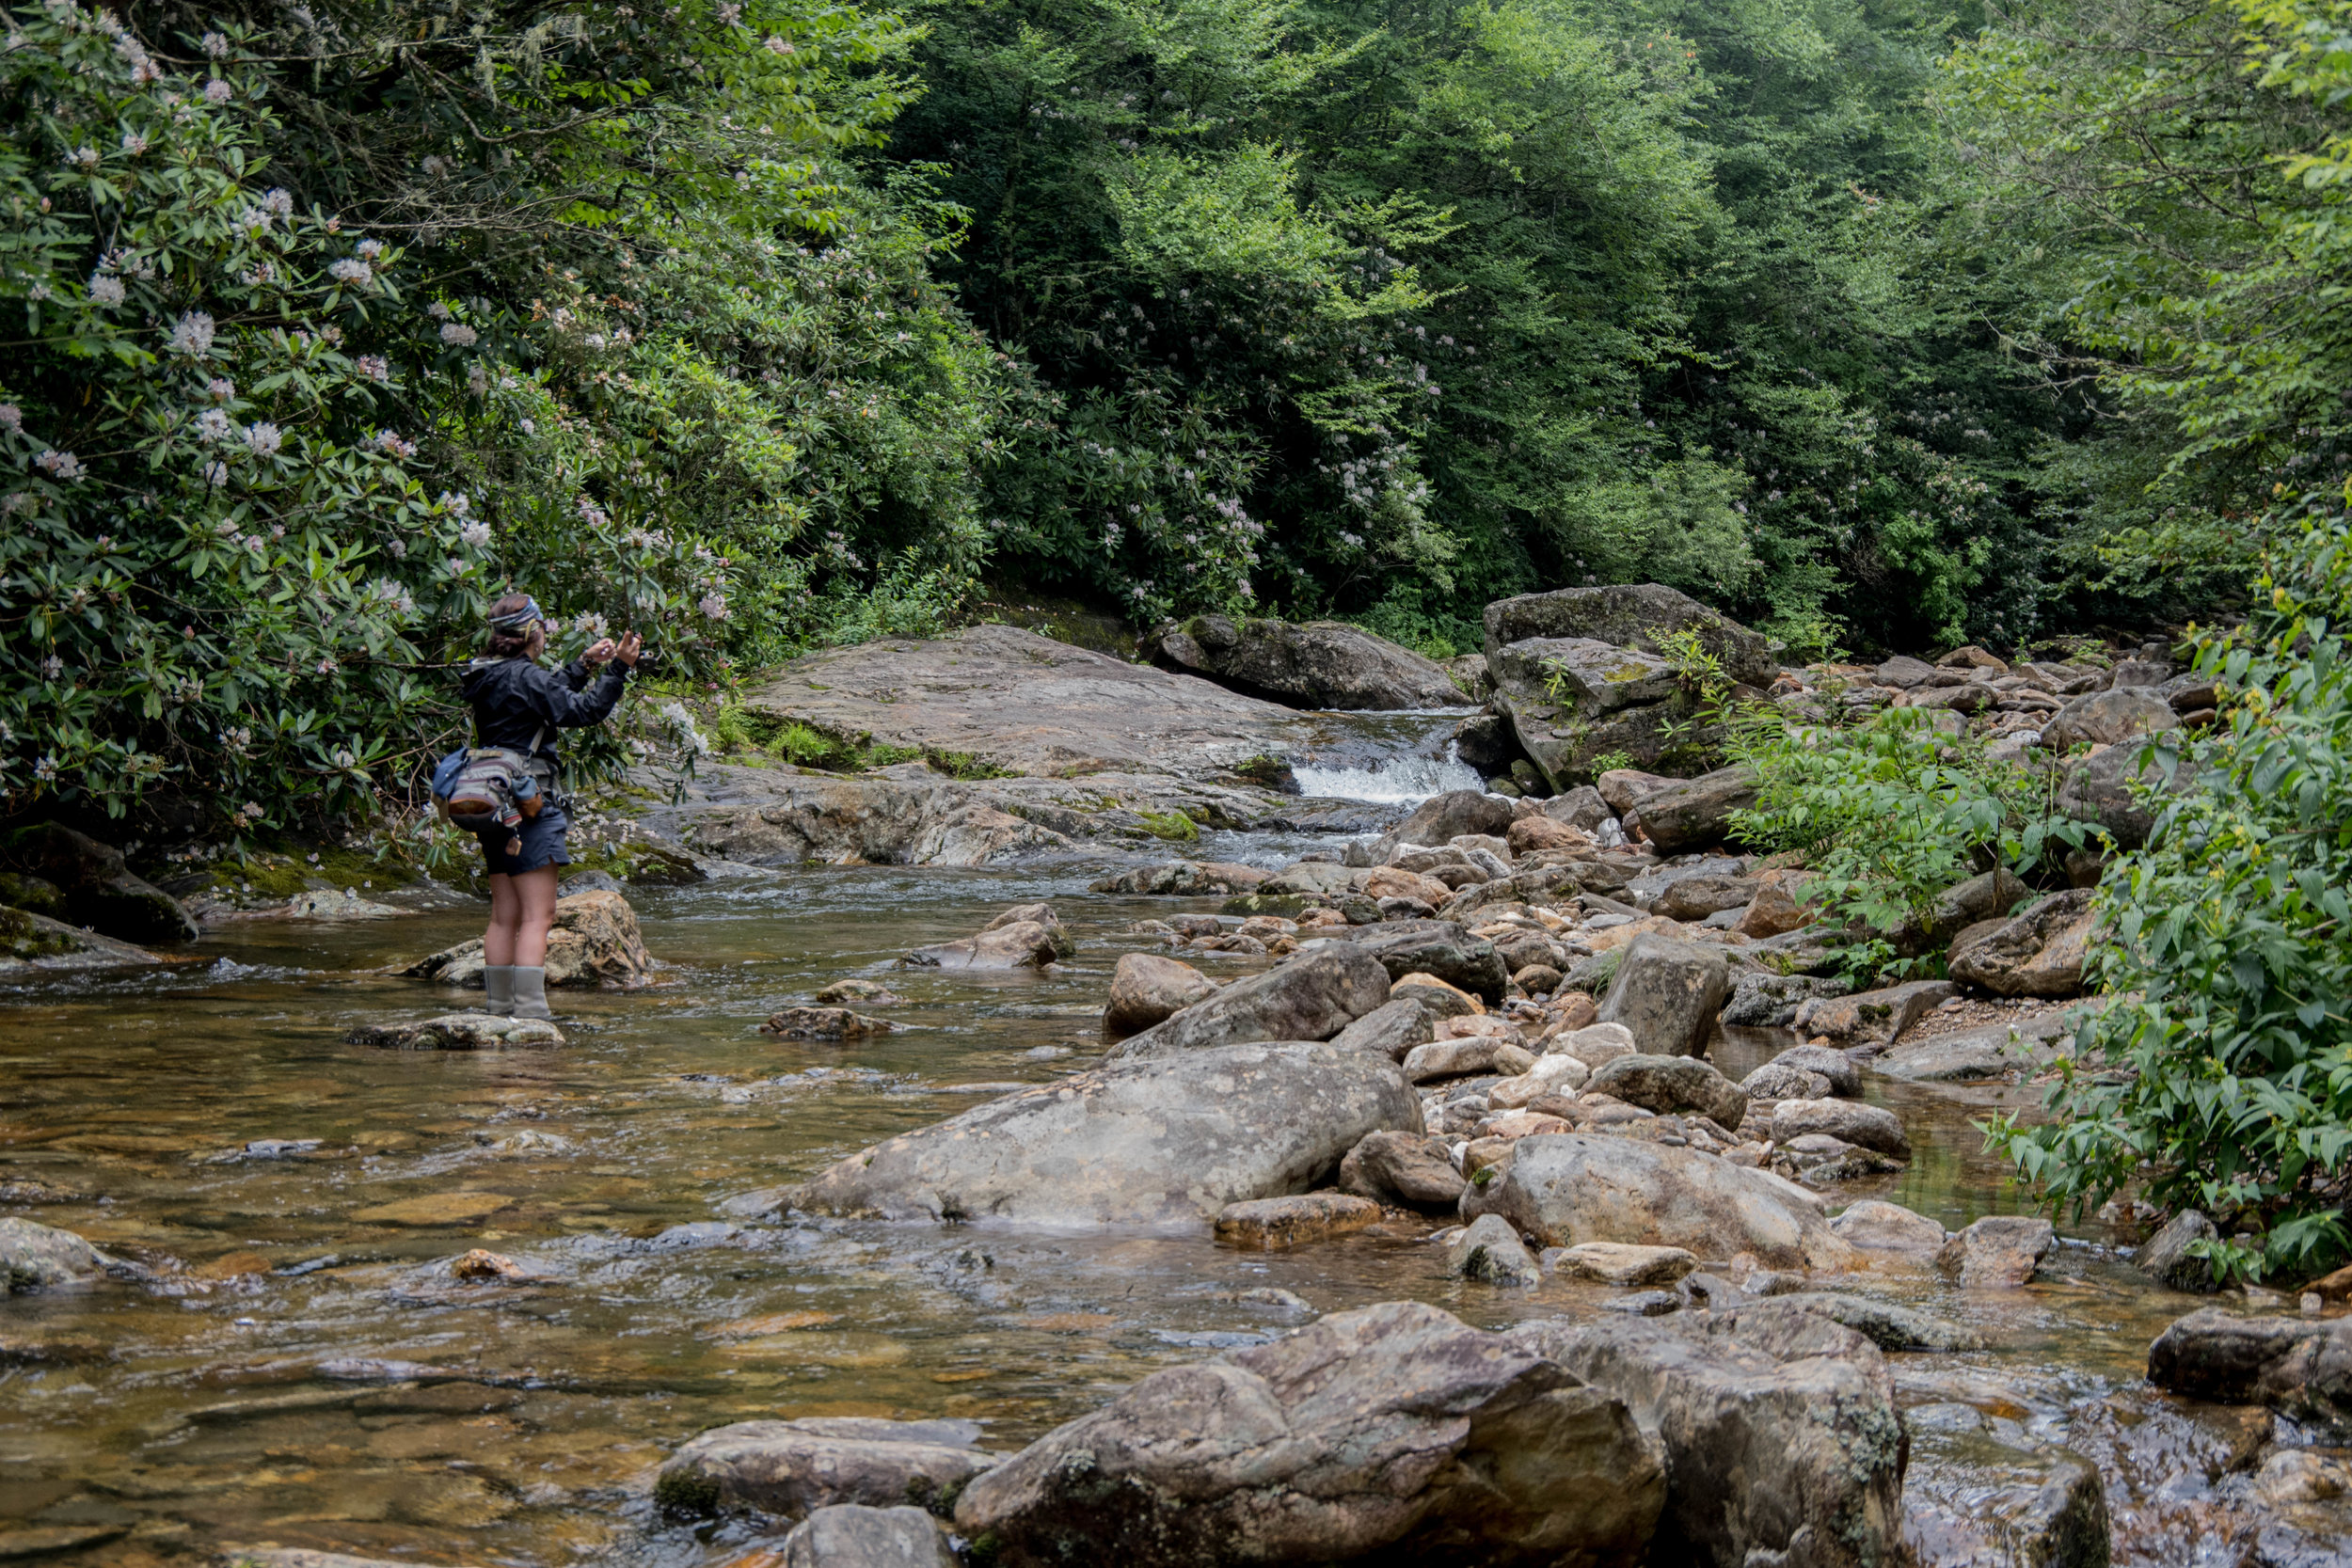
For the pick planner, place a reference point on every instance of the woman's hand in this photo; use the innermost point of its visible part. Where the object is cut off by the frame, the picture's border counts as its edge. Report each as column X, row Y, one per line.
column 630, row 648
column 598, row 653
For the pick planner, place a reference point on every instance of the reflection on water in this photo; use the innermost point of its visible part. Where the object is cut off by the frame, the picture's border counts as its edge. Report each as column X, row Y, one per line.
column 304, row 1370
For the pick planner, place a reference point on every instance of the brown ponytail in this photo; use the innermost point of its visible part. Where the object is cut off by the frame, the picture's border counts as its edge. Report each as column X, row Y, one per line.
column 512, row 642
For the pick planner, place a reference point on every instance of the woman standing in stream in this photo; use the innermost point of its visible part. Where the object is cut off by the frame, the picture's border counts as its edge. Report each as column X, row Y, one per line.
column 518, row 707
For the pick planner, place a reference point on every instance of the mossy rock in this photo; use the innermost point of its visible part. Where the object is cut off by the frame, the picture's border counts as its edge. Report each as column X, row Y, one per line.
column 37, row 893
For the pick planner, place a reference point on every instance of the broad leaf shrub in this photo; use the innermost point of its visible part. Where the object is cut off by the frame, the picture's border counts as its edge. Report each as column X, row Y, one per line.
column 2228, row 955
column 1888, row 813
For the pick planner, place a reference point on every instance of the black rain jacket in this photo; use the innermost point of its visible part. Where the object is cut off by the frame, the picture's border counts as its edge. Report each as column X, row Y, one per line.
column 514, row 699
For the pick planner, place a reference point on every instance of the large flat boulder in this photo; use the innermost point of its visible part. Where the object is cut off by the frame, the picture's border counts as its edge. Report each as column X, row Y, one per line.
column 2105, row 787
column 2038, row 953
column 2300, row 1366
column 1629, row 615
column 1573, row 701
column 1696, row 813
column 595, row 942
column 1313, row 997
column 1564, row 1188
column 1668, row 994
column 1310, row 664
column 792, row 1467
column 36, row 1257
column 1437, row 948
column 33, row 944
column 1169, row 1140
column 95, row 888
column 1391, row 1433
column 1783, row 1442
column 1013, row 700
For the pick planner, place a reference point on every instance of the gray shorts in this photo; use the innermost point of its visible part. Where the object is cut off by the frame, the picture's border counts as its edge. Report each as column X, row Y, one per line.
column 543, row 844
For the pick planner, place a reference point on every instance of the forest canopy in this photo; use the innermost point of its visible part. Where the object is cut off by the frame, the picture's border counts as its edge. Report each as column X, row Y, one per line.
column 766, row 325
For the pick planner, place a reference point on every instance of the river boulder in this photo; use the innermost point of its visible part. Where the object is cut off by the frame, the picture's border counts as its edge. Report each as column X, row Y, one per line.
column 1184, row 880
column 2299, row 1366
column 1441, row 948
column 1998, row 1251
column 1783, row 1442
column 1871, row 1126
column 460, row 1032
column 1391, row 1433
column 94, row 886
column 1313, row 997
column 1169, row 1140
column 2038, row 953
column 33, row 943
column 36, row 1257
column 1443, row 819
column 1564, row 1188
column 1668, row 994
column 595, row 942
column 1403, row 1169
column 1572, row 701
column 1028, row 936
column 1310, row 664
column 1147, row 988
column 1630, row 615
column 790, row 1468
column 2105, row 718
column 851, row 1535
column 2166, row 1258
column 1392, row 1028
column 1670, row 1084
column 1696, row 813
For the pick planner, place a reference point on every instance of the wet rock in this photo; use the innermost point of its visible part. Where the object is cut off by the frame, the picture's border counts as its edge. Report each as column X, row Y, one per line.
column 1667, row 993
column 2291, row 1476
column 1669, row 1083
column 1873, row 1016
column 877, row 821
column 2166, row 1258
column 1992, row 1052
column 458, row 1031
column 1778, row 906
column 1530, row 833
column 43, row 1257
column 1392, row 1028
column 1771, row 1001
column 2105, row 718
column 2039, row 952
column 1184, row 879
column 870, row 994
column 1692, row 899
column 1444, row 817
column 1876, row 1225
column 93, row 885
column 1167, row 1140
column 824, row 1023
column 1436, row 998
column 1313, row 997
column 1696, row 813
column 1567, row 1188
column 2103, row 788
column 1288, row 1222
column 1147, row 988
column 1405, row 1170
column 1390, row 1433
column 1871, row 1126
column 1596, row 1045
column 1889, row 1326
column 1028, row 936
column 594, row 941
column 2295, row 1365
column 790, row 1468
column 1490, row 1250
column 1629, row 615
column 1312, row 664
column 1805, row 1072
column 851, row 1535
column 1436, row 947
column 1462, row 1057
column 1782, row 1443
column 1996, row 1251
column 32, row 945
column 1620, row 1263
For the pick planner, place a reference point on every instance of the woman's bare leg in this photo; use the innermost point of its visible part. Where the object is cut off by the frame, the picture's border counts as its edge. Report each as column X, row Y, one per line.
column 506, row 917
column 535, row 891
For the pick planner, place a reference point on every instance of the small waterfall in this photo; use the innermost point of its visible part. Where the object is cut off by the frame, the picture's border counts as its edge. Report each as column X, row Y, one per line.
column 1405, row 780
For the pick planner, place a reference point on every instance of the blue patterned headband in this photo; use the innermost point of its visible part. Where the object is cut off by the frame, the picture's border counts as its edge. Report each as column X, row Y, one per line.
column 517, row 620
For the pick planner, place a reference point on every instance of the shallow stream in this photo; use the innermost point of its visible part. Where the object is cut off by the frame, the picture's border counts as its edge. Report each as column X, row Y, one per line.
column 254, row 1393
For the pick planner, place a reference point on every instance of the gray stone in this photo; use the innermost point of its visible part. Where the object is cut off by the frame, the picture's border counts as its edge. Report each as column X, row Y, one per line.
column 1903, row 671
column 1165, row 1141
column 1184, row 880
column 1596, row 1045
column 2105, row 787
column 1312, row 664
column 1782, row 1443
column 1695, row 815
column 1274, row 1222
column 1313, row 997
column 1667, row 993
column 43, row 1257
column 1873, row 1016
column 2300, row 1366
column 790, row 1468
column 1028, row 936
column 2038, row 953
column 1441, row 948
column 1388, row 1434
column 1573, row 701
column 1885, row 1325
column 1443, row 819
column 33, row 943
column 1620, row 1263
column 1715, row 900
column 1670, row 1084
column 1147, row 988
column 1993, row 1051
column 1392, row 1028
column 1994, row 893
column 1771, row 1001
column 2105, row 718
column 850, row 1535
column 1998, row 1251
column 1629, row 615
column 1488, row 1250
column 458, row 1031
column 1872, row 1127
column 1403, row 1169
column 1581, row 808
column 1565, row 1188
column 824, row 1023
column 1824, row 1063
column 1464, row 1056
column 1876, row 1225
column 96, row 887
column 2166, row 1258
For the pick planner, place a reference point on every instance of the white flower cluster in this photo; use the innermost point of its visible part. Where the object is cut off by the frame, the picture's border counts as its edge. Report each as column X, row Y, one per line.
column 213, row 426
column 474, row 535
column 63, row 465
column 590, row 625
column 375, row 367
column 675, row 715
column 216, row 475
column 477, row 379
column 714, row 607
column 264, row 438
column 220, row 388
column 11, row 419
column 367, row 250
column 85, row 158
column 104, row 292
column 352, row 271
column 217, row 91
column 192, row 334
column 390, row 442
column 392, row 596
column 458, row 335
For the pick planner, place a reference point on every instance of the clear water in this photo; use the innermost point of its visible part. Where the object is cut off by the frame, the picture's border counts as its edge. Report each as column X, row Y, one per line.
column 234, row 1403
column 1405, row 781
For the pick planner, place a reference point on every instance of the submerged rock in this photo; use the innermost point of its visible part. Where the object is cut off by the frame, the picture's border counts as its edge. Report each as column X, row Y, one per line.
column 1288, row 1222
column 595, row 942
column 1028, row 936
column 1147, row 988
column 1313, row 997
column 2000, row 1250
column 2298, row 1365
column 1312, row 664
column 870, row 994
column 44, row 1257
column 851, row 1535
column 1567, row 1188
column 1167, row 1140
column 1390, row 1433
column 790, row 1468
column 458, row 1031
column 824, row 1023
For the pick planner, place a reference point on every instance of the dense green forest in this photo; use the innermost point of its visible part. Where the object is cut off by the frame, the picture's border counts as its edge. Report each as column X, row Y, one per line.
column 765, row 325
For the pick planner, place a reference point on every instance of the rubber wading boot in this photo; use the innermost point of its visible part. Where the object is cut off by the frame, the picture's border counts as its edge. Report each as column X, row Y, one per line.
column 531, row 992
column 498, row 981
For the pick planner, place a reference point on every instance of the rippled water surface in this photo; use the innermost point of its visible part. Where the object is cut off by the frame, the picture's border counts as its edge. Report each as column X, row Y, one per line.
column 254, row 1394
